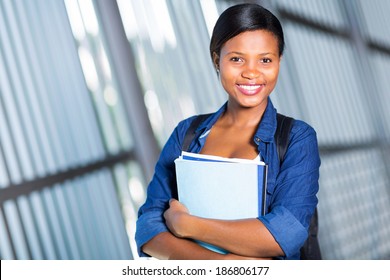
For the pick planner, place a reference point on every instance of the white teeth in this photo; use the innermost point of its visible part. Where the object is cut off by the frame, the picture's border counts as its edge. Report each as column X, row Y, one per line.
column 250, row 87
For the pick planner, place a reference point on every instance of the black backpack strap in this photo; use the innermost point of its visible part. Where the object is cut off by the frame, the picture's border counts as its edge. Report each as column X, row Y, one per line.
column 311, row 249
column 191, row 131
column 282, row 135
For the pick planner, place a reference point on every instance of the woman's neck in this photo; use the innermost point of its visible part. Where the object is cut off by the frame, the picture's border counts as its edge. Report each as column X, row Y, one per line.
column 243, row 117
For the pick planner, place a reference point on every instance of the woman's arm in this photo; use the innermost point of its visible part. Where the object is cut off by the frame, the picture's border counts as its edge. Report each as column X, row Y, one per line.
column 247, row 237
column 166, row 246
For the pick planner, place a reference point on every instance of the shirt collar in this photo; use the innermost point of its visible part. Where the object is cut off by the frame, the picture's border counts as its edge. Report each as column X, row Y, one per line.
column 210, row 121
column 267, row 127
column 265, row 131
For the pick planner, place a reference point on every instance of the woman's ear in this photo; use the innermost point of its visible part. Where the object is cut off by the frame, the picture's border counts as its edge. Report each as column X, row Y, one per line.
column 216, row 61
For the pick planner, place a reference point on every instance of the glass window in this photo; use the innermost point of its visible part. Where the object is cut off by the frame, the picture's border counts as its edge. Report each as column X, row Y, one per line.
column 165, row 40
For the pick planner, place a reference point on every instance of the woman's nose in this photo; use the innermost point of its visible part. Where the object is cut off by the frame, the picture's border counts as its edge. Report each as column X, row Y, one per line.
column 251, row 72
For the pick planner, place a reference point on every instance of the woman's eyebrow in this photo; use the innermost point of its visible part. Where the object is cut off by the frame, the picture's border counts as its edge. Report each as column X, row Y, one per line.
column 234, row 52
column 240, row 53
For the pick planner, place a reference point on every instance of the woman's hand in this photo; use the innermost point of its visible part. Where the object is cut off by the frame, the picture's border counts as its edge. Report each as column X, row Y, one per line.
column 177, row 218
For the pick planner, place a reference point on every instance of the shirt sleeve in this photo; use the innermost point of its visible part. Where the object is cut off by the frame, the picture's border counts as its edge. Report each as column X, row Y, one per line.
column 160, row 190
column 295, row 194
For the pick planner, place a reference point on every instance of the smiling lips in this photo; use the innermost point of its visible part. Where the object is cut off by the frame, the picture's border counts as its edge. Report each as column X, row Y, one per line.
column 250, row 89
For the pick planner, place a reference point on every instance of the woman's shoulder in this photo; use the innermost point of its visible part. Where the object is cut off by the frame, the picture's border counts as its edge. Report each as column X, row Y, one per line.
column 303, row 146
column 302, row 127
column 198, row 120
column 184, row 124
column 302, row 131
column 181, row 128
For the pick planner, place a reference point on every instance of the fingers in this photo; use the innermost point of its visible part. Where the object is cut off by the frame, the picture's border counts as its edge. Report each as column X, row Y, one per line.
column 172, row 200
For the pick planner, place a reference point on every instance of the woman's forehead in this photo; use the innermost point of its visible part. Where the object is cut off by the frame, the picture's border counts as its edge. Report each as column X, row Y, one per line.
column 252, row 41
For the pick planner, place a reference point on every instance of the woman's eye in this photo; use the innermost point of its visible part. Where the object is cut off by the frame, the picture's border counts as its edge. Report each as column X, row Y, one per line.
column 235, row 59
column 266, row 60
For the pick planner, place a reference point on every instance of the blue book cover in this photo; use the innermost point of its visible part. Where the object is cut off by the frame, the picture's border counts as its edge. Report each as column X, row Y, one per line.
column 221, row 188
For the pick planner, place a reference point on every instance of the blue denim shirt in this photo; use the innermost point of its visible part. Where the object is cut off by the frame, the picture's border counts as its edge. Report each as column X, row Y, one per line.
column 291, row 188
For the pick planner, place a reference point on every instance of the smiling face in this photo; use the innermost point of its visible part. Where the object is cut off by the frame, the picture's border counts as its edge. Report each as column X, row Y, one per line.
column 249, row 66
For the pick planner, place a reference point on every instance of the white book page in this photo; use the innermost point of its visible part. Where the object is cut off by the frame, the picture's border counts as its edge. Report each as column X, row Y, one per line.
column 217, row 158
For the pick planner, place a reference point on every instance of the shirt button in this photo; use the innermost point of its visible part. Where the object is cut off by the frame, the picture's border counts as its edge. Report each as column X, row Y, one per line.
column 257, row 139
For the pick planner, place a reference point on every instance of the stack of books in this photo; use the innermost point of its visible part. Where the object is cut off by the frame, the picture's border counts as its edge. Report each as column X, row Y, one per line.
column 221, row 188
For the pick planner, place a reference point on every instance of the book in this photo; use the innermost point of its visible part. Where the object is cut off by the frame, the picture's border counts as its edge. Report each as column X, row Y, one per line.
column 221, row 188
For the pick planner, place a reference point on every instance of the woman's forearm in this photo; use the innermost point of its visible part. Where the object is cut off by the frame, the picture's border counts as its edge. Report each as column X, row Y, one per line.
column 247, row 237
column 166, row 246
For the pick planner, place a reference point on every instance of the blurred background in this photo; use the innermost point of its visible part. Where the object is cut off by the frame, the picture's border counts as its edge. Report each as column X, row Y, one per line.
column 90, row 90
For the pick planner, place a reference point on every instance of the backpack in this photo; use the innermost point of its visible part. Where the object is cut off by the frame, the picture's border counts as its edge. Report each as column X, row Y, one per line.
column 311, row 249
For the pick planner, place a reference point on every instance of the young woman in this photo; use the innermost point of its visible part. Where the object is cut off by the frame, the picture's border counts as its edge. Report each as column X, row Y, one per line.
column 246, row 48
